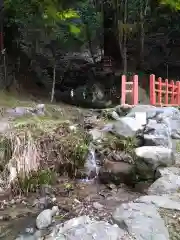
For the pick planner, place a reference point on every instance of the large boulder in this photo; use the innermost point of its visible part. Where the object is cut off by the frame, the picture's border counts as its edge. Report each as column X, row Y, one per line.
column 126, row 127
column 117, row 172
column 169, row 116
column 82, row 228
column 157, row 134
column 163, row 171
column 160, row 201
column 86, row 96
column 141, row 220
column 148, row 109
column 149, row 158
column 167, row 184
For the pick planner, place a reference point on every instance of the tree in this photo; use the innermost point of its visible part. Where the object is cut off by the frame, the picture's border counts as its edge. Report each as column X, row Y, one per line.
column 60, row 26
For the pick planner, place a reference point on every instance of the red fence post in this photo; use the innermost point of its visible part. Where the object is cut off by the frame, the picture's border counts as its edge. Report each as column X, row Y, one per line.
column 135, row 90
column 178, row 92
column 172, row 91
column 123, row 89
column 160, row 91
column 166, row 92
column 152, row 90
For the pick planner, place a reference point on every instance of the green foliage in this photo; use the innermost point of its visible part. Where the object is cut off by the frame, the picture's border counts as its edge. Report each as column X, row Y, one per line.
column 34, row 181
column 174, row 4
column 40, row 22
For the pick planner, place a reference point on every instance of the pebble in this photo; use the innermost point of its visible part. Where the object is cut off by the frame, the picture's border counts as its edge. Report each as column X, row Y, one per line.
column 98, row 206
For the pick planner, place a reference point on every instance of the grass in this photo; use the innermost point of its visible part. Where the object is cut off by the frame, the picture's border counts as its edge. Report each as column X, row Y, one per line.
column 38, row 147
column 178, row 147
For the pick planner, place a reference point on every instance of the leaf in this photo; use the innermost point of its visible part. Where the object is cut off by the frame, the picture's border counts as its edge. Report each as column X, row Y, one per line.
column 68, row 14
column 74, row 29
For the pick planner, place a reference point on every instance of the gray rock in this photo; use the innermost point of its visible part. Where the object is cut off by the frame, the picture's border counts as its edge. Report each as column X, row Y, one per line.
column 97, row 134
column 26, row 237
column 171, row 117
column 98, row 206
column 42, row 203
column 115, row 116
column 162, row 171
column 141, row 220
column 160, row 201
column 157, row 134
column 149, row 109
column 82, row 228
column 156, row 155
column 116, row 172
column 44, row 219
column 165, row 185
column 167, row 115
column 126, row 127
column 149, row 158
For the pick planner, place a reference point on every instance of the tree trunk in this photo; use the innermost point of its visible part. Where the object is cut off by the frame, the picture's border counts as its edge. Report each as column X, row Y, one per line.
column 125, row 40
column 53, row 83
column 143, row 12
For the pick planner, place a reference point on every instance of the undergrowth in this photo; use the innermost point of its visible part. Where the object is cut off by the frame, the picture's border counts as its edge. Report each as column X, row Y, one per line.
column 39, row 147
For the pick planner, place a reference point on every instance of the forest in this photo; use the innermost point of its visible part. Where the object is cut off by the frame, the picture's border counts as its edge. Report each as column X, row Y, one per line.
column 59, row 46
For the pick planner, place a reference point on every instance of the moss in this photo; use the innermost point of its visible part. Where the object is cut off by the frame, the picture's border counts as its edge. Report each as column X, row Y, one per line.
column 112, row 142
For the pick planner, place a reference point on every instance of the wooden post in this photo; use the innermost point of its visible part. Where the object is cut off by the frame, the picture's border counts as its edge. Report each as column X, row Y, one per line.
column 135, row 90
column 152, row 90
column 159, row 91
column 172, row 91
column 178, row 92
column 123, row 89
column 166, row 92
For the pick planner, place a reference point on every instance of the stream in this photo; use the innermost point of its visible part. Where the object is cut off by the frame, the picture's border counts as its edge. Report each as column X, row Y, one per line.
column 86, row 197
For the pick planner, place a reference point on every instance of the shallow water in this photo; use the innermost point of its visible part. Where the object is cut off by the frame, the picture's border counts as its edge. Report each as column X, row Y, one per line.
column 11, row 229
column 86, row 193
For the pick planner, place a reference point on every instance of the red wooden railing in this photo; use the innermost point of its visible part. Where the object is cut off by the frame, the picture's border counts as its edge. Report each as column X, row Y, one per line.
column 129, row 87
column 164, row 93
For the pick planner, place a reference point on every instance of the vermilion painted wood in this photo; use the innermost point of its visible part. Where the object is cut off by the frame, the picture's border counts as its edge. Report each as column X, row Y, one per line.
column 172, row 92
column 166, row 92
column 178, row 92
column 123, row 89
column 162, row 93
column 159, row 99
column 152, row 90
column 135, row 90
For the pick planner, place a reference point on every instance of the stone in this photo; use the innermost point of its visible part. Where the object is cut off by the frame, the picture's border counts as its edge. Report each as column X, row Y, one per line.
column 160, row 201
column 82, row 228
column 116, row 172
column 167, row 184
column 115, row 116
column 149, row 158
column 157, row 134
column 97, row 134
column 44, row 219
column 141, row 220
column 169, row 116
column 162, row 171
column 126, row 127
column 42, row 202
column 98, row 206
column 149, row 109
